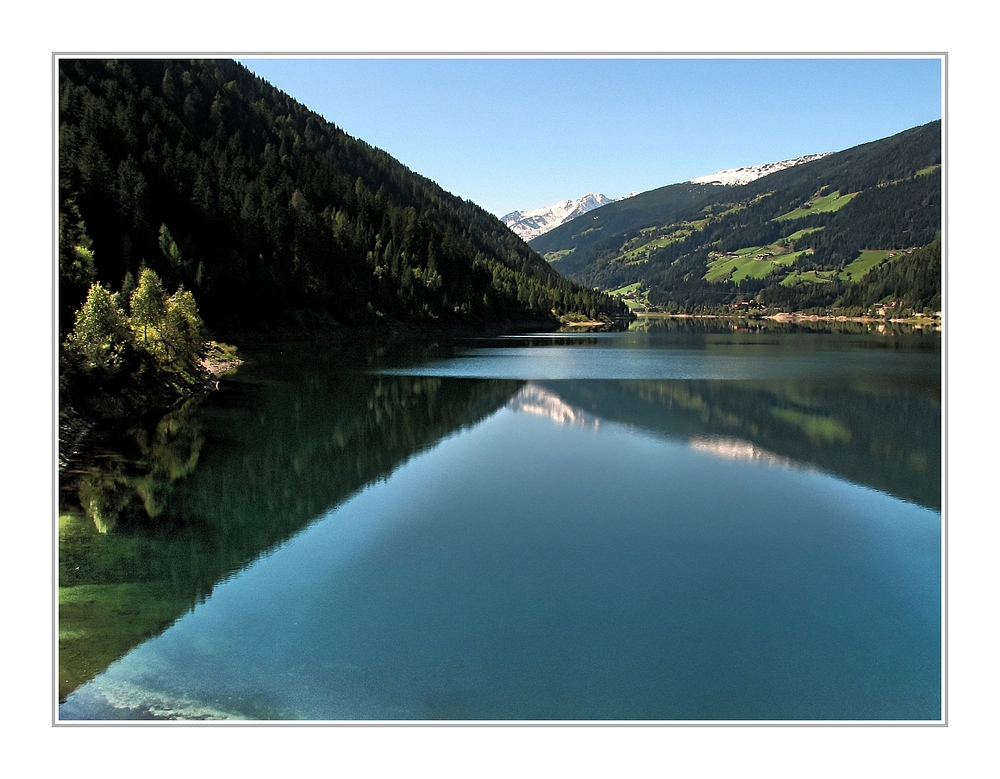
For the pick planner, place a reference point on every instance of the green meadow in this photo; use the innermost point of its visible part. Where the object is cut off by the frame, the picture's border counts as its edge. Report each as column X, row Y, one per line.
column 852, row 272
column 863, row 264
column 628, row 289
column 810, row 276
column 819, row 205
column 799, row 234
column 633, row 296
column 745, row 264
column 639, row 249
column 552, row 257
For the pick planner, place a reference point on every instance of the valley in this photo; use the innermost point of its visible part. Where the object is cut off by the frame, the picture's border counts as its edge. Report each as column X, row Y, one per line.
column 628, row 471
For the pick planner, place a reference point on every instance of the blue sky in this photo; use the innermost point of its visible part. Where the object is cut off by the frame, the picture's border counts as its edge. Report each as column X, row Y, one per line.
column 516, row 133
column 521, row 133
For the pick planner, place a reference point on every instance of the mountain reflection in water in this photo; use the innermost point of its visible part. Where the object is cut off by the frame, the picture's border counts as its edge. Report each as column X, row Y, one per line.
column 535, row 399
column 734, row 449
column 884, row 435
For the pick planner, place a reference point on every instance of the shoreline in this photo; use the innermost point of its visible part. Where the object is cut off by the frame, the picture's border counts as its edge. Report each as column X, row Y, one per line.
column 913, row 320
column 73, row 428
column 918, row 321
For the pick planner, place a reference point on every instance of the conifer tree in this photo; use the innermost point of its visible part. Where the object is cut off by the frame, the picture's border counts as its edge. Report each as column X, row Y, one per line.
column 148, row 304
column 101, row 334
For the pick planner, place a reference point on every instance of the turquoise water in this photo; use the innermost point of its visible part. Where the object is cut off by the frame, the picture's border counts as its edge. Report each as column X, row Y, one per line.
column 666, row 525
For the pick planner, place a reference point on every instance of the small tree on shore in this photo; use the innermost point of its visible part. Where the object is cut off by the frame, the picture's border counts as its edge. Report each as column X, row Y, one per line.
column 101, row 333
column 148, row 304
column 181, row 329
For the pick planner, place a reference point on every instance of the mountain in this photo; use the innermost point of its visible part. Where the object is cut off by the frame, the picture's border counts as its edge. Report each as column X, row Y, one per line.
column 570, row 243
column 853, row 229
column 269, row 214
column 530, row 224
column 735, row 176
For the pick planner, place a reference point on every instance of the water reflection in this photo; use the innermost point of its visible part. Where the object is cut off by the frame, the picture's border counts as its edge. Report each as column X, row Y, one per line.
column 735, row 449
column 537, row 400
column 131, row 477
column 712, row 325
column 153, row 519
column 152, row 522
column 881, row 433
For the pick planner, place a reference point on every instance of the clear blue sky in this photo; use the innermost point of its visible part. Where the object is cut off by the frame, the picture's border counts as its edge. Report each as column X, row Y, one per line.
column 524, row 133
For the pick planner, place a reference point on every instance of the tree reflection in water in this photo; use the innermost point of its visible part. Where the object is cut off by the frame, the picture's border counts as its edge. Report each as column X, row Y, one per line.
column 153, row 520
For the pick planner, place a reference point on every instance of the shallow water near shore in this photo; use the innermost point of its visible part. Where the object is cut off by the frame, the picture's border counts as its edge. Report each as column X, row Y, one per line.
column 684, row 522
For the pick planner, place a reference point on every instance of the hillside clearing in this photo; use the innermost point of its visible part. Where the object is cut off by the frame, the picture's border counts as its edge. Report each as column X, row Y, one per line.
column 819, row 205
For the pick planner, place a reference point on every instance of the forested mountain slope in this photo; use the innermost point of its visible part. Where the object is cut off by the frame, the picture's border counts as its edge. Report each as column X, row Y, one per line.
column 268, row 213
column 804, row 237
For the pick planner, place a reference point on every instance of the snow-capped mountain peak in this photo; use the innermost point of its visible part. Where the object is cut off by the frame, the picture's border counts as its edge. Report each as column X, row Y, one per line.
column 530, row 224
column 734, row 176
column 533, row 223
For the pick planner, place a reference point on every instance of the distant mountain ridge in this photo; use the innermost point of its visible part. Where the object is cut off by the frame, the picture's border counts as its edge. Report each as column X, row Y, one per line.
column 744, row 175
column 857, row 230
column 528, row 225
column 538, row 221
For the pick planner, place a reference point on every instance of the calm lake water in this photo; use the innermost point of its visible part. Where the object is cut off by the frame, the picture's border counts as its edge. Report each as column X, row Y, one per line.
column 683, row 521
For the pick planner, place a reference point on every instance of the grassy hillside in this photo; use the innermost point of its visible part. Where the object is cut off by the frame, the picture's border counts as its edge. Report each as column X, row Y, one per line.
column 580, row 241
column 799, row 238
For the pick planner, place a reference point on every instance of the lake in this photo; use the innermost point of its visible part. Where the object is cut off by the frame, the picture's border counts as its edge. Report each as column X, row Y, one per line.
column 689, row 520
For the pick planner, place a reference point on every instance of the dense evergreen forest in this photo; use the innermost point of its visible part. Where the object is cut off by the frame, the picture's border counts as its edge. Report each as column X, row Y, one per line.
column 793, row 240
column 268, row 214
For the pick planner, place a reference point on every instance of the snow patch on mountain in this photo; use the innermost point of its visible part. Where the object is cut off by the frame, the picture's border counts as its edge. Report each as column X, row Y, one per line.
column 735, row 176
column 531, row 224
